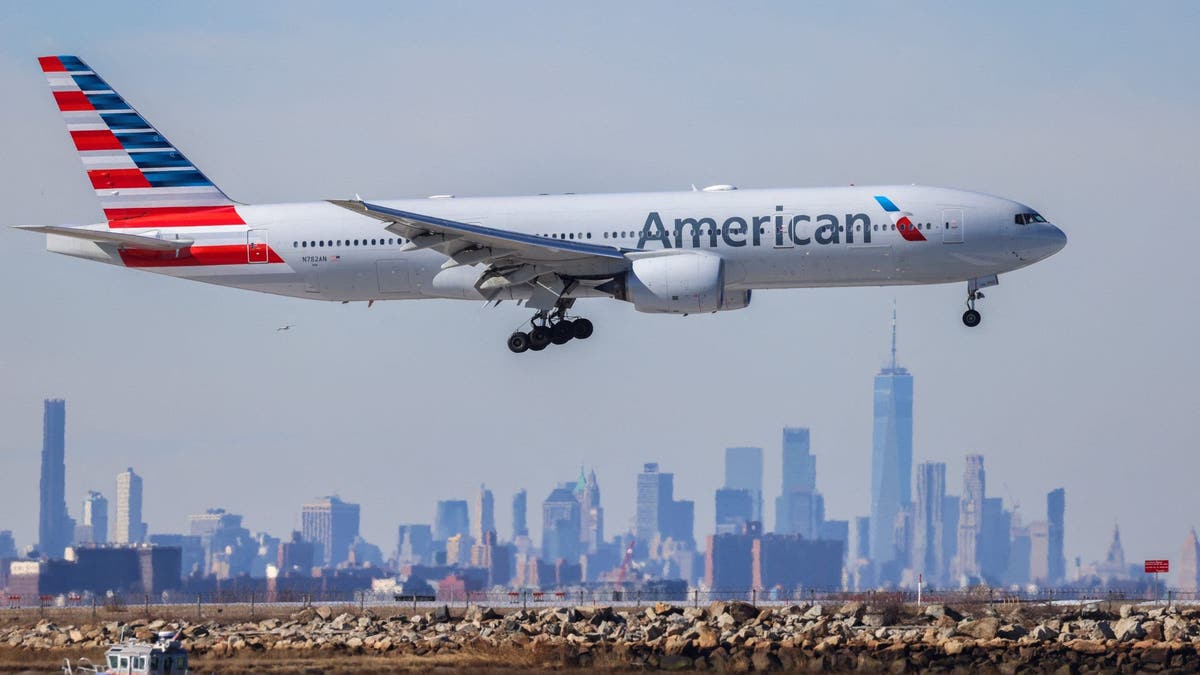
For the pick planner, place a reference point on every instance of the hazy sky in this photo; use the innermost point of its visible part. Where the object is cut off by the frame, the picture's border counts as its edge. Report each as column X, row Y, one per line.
column 1082, row 375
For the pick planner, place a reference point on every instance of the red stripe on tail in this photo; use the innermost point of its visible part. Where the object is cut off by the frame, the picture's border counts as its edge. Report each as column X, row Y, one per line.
column 118, row 178
column 69, row 101
column 173, row 216
column 51, row 64
column 224, row 254
column 97, row 139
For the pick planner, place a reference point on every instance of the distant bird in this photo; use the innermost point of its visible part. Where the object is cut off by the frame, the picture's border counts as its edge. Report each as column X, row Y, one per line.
column 287, row 327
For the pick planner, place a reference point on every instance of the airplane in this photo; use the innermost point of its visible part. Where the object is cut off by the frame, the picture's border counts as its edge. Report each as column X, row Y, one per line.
column 687, row 252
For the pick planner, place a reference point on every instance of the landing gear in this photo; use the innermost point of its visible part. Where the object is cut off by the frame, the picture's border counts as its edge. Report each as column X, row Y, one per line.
column 971, row 318
column 551, row 327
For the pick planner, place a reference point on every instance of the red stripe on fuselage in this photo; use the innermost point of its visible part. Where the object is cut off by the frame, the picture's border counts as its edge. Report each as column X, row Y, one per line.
column 95, row 139
column 196, row 256
column 70, row 101
column 118, row 178
column 173, row 216
column 51, row 64
column 908, row 230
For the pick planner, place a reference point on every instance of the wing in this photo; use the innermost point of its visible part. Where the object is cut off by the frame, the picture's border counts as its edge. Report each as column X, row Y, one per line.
column 138, row 241
column 511, row 258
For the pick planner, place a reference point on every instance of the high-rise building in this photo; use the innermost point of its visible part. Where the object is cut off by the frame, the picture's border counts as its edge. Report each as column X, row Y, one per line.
column 296, row 555
column 994, row 541
column 928, row 522
column 950, row 509
column 520, row 524
column 591, row 529
column 414, row 544
column 452, row 517
column 485, row 514
column 1039, row 553
column 332, row 526
column 94, row 528
column 655, row 492
column 1020, row 548
column 1056, row 506
column 658, row 513
column 797, row 510
column 561, row 524
column 8, row 547
column 1113, row 568
column 1189, row 565
column 222, row 536
column 129, row 526
column 744, row 471
column 891, row 457
column 970, row 517
column 735, row 508
column 55, row 527
column 862, row 537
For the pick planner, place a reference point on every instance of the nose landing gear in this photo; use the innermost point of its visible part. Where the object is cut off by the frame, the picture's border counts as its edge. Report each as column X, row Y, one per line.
column 550, row 327
column 971, row 318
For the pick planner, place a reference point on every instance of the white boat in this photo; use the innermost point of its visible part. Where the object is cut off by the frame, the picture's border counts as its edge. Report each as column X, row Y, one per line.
column 164, row 656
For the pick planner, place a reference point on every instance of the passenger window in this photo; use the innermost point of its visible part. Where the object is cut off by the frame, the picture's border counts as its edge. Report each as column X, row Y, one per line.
column 321, row 243
column 589, row 235
column 304, row 244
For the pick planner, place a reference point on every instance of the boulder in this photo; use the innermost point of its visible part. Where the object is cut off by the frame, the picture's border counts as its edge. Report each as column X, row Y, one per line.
column 441, row 614
column 1011, row 631
column 1129, row 628
column 741, row 611
column 980, row 629
column 938, row 611
column 853, row 609
column 324, row 613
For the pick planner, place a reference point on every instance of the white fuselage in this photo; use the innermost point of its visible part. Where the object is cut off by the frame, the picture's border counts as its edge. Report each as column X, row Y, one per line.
column 785, row 238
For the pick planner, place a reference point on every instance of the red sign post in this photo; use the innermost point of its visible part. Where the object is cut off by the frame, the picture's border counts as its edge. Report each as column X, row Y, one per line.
column 1157, row 567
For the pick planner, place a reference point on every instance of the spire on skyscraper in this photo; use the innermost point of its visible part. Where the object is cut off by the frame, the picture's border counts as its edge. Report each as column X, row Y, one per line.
column 893, row 333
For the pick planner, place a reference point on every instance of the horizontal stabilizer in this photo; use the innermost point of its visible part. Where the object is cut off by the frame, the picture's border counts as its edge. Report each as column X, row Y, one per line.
column 138, row 241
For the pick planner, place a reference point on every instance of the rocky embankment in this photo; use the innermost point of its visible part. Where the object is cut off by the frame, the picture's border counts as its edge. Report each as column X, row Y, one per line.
column 736, row 636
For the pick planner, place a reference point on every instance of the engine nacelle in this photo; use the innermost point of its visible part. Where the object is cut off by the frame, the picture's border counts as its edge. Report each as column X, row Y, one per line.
column 680, row 283
column 736, row 300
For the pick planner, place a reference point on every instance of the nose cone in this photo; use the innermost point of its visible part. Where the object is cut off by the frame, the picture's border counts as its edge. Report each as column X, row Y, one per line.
column 1041, row 241
column 1056, row 240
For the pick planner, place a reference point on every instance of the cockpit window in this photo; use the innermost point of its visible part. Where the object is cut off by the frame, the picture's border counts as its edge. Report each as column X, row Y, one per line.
column 1027, row 218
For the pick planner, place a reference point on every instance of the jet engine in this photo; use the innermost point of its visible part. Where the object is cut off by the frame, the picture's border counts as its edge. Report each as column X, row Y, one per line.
column 680, row 283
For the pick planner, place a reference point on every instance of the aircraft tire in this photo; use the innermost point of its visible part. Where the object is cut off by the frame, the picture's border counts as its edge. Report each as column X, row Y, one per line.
column 583, row 328
column 562, row 332
column 539, row 338
column 518, row 342
column 971, row 318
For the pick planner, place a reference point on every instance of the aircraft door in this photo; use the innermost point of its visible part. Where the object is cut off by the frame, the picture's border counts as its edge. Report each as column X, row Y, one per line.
column 256, row 246
column 952, row 226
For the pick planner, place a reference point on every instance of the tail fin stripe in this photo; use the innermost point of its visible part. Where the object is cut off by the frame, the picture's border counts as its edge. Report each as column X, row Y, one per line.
column 107, row 102
column 106, row 179
column 91, row 83
column 71, row 101
column 51, row 64
column 137, row 141
column 95, row 140
column 190, row 178
column 125, row 121
column 160, row 160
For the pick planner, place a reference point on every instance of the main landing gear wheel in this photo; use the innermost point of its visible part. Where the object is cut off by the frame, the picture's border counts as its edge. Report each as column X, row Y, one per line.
column 971, row 318
column 562, row 332
column 583, row 329
column 539, row 338
column 518, row 342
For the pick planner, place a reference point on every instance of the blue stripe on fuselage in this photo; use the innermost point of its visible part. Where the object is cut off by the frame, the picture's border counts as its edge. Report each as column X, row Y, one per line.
column 886, row 204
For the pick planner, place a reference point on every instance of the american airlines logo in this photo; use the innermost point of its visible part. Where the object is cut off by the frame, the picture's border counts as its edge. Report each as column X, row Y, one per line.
column 778, row 229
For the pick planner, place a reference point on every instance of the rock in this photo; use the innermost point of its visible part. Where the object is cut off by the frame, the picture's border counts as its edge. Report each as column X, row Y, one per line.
column 324, row 613
column 1129, row 628
column 1127, row 611
column 1154, row 630
column 1011, row 631
column 854, row 609
column 708, row 638
column 980, row 629
column 938, row 611
column 1043, row 633
column 1174, row 629
column 1090, row 647
column 741, row 611
column 953, row 647
column 814, row 612
column 441, row 614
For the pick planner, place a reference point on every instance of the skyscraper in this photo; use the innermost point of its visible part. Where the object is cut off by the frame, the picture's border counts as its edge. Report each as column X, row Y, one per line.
column 928, row 522
column 331, row 525
column 94, row 529
column 55, row 528
column 1189, row 565
column 591, row 529
column 561, row 524
column 734, row 509
column 414, row 544
column 797, row 507
column 1056, row 506
column 1039, row 553
column 453, row 519
column 129, row 526
column 655, row 492
column 520, row 525
column 994, row 541
column 970, row 517
column 891, row 455
column 744, row 471
column 485, row 514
